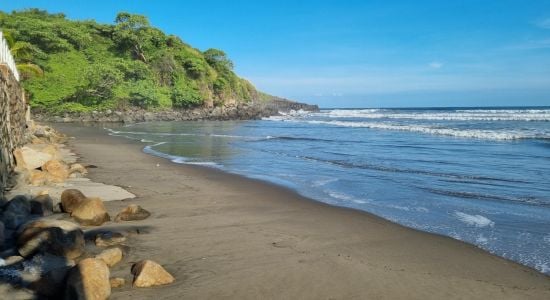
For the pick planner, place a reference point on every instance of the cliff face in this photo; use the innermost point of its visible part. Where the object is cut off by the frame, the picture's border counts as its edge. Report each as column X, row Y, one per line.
column 12, row 123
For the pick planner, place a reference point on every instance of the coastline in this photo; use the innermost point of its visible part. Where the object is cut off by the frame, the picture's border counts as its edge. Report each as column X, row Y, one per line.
column 223, row 235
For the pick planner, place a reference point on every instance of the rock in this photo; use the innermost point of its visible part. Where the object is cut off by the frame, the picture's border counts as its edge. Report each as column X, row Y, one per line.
column 78, row 168
column 148, row 273
column 19, row 204
column 2, row 235
column 91, row 212
column 133, row 212
column 117, row 282
column 70, row 199
column 110, row 256
column 88, row 280
column 13, row 220
column 110, row 238
column 13, row 260
column 57, row 237
column 16, row 212
column 30, row 159
column 47, row 274
column 57, row 171
column 37, row 178
column 42, row 205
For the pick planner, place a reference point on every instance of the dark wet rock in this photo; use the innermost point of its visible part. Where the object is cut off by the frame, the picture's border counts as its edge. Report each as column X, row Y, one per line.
column 42, row 205
column 57, row 237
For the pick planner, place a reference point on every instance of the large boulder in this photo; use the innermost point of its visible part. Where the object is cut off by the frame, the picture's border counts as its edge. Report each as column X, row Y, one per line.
column 132, row 212
column 110, row 238
column 57, row 171
column 148, row 273
column 16, row 212
column 47, row 274
column 110, row 256
column 57, row 237
column 30, row 159
column 42, row 205
column 70, row 199
column 91, row 212
column 88, row 280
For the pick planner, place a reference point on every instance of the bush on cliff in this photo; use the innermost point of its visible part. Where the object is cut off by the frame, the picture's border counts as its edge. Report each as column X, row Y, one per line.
column 89, row 66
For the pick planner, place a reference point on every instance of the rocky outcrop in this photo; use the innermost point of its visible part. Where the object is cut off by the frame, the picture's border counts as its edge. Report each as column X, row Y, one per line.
column 235, row 111
column 148, row 273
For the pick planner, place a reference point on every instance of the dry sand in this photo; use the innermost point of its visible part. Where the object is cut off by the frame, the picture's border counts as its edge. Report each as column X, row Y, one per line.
column 226, row 236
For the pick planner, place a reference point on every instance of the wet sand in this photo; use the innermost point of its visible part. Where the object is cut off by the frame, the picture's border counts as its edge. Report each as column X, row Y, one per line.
column 226, row 236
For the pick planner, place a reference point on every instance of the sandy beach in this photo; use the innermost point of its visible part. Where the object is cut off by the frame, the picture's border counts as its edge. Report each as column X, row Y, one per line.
column 226, row 236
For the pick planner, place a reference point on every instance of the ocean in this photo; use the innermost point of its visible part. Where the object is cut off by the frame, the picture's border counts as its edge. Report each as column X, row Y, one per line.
column 479, row 175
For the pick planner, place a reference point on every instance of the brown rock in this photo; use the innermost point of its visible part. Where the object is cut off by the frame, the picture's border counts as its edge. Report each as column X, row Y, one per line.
column 110, row 256
column 110, row 238
column 88, row 280
column 132, row 212
column 13, row 260
column 42, row 205
column 29, row 159
column 148, row 273
column 91, row 212
column 78, row 168
column 117, row 282
column 57, row 171
column 70, row 199
column 57, row 237
column 37, row 178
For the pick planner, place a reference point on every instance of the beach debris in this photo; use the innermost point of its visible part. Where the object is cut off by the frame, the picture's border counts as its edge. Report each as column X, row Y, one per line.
column 117, row 282
column 57, row 237
column 148, row 273
column 110, row 256
column 132, row 212
column 70, row 199
column 90, row 212
column 110, row 238
column 88, row 280
column 58, row 171
column 42, row 205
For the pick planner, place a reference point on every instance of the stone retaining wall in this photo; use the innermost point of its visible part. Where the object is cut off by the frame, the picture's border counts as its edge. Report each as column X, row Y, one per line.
column 12, row 123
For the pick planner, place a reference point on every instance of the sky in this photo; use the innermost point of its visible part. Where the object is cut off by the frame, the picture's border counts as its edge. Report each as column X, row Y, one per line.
column 361, row 53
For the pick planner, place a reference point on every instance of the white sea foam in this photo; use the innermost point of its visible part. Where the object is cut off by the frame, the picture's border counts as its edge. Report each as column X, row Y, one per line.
column 459, row 115
column 463, row 133
column 474, row 220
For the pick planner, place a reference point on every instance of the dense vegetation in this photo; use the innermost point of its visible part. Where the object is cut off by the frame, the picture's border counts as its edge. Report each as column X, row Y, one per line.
column 74, row 66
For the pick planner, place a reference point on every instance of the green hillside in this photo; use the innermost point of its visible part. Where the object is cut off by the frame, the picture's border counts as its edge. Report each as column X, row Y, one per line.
column 76, row 66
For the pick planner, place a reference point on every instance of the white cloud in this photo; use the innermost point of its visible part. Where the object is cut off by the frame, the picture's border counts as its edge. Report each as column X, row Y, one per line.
column 545, row 23
column 435, row 65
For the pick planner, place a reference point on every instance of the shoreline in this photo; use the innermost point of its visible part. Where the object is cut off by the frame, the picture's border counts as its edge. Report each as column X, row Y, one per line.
column 368, row 256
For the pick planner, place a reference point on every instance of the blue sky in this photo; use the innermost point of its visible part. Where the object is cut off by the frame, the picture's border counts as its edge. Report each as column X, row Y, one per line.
column 362, row 53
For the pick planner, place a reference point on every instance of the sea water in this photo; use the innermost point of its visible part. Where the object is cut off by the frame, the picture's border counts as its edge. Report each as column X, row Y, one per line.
column 474, row 174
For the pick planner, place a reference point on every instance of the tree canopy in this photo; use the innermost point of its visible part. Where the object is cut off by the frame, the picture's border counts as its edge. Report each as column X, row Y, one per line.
column 87, row 65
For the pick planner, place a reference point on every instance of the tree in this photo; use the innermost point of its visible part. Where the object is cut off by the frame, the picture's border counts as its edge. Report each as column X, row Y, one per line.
column 130, row 32
column 23, row 53
column 218, row 59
